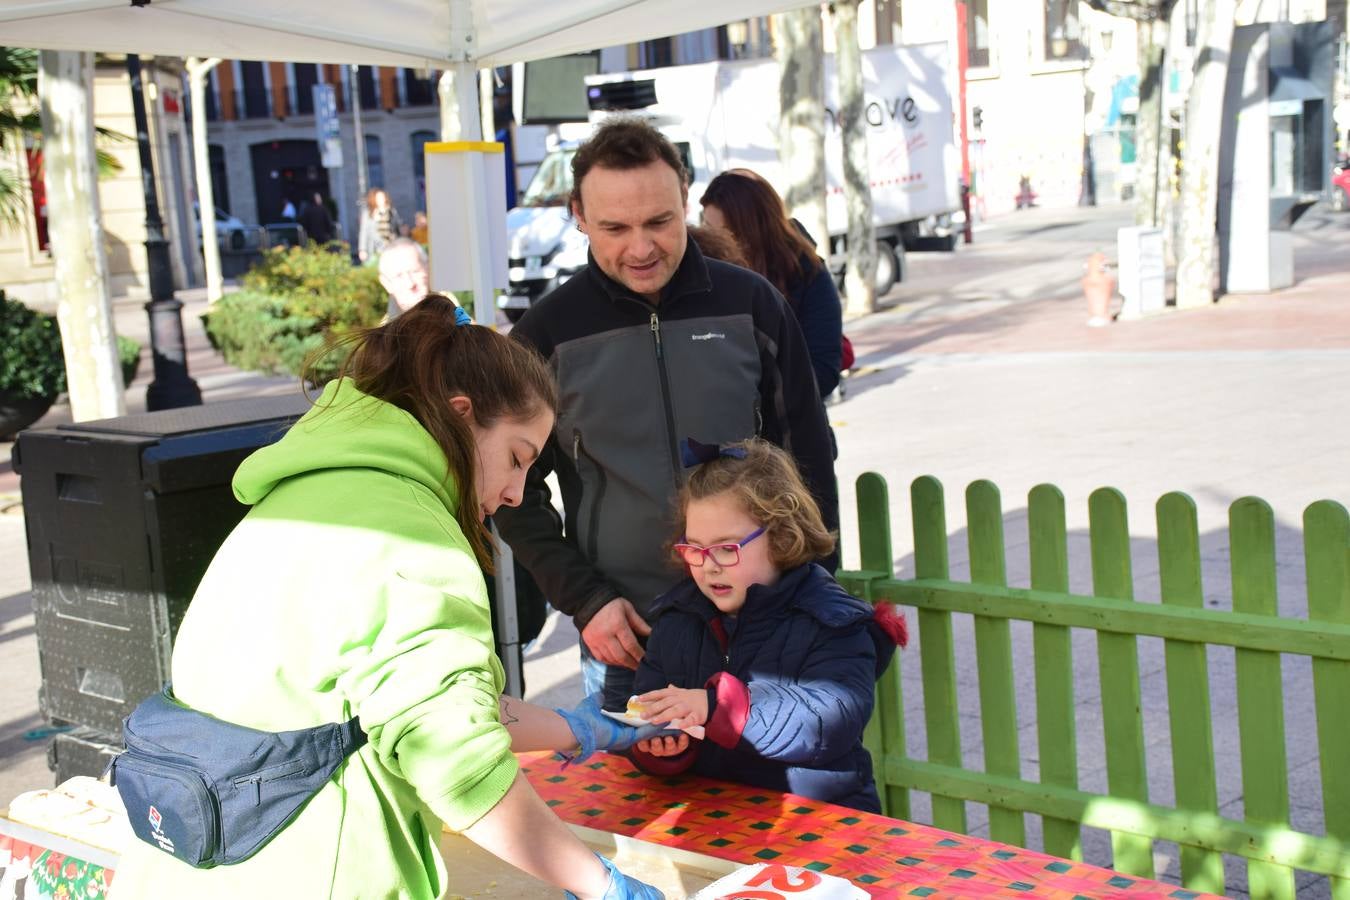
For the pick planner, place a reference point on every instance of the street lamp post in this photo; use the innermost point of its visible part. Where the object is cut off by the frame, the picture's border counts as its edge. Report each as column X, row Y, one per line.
column 171, row 387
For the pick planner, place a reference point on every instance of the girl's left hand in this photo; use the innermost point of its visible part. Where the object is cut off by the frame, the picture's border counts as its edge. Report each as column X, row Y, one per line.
column 680, row 707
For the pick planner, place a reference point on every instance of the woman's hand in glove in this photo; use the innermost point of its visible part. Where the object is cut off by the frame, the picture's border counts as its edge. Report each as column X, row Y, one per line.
column 621, row 886
column 596, row 731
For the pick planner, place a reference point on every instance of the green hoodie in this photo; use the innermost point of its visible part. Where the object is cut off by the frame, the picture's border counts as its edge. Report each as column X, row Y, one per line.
column 348, row 589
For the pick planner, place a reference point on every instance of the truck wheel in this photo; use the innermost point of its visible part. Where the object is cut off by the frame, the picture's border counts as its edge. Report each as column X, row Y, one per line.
column 888, row 267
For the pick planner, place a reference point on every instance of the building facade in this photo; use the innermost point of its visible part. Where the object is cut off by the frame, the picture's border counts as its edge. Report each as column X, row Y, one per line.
column 26, row 270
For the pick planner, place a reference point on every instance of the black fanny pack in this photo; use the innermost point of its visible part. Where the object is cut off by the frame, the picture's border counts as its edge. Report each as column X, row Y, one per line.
column 213, row 793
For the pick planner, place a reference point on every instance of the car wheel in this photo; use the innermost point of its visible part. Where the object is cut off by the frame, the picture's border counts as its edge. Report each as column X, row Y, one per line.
column 1340, row 201
column 513, row 315
column 888, row 268
column 236, row 240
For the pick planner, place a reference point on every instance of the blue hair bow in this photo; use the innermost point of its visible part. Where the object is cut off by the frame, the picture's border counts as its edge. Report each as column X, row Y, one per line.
column 693, row 453
column 461, row 317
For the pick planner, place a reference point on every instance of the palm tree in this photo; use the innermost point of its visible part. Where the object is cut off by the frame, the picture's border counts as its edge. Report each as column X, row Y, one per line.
column 19, row 120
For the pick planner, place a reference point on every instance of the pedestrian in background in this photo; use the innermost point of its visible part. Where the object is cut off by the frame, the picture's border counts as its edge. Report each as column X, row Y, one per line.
column 743, row 203
column 380, row 224
column 316, row 221
column 403, row 273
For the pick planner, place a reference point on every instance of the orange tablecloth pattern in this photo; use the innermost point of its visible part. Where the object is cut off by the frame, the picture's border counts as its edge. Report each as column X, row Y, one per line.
column 886, row 857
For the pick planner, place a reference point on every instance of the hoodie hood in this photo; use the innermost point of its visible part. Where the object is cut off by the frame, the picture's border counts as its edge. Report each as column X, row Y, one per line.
column 348, row 429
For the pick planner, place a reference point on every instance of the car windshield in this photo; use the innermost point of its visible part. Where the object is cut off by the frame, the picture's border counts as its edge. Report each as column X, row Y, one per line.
column 552, row 181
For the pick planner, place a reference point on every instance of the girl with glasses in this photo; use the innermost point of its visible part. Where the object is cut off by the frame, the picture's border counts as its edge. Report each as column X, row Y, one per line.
column 760, row 645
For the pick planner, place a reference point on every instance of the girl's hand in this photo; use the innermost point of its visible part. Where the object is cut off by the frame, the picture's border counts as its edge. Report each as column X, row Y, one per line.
column 669, row 745
column 678, row 706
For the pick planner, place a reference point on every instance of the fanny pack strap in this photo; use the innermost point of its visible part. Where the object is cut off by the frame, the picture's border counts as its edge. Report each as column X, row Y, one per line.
column 351, row 736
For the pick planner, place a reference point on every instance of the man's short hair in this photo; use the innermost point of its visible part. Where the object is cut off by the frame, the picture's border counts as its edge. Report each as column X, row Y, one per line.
column 623, row 143
column 404, row 243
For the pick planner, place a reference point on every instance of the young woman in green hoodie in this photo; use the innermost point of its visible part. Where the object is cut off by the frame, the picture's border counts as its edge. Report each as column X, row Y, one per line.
column 354, row 587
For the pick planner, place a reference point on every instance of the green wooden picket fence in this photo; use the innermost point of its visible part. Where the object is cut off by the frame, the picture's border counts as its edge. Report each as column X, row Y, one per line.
column 1272, row 848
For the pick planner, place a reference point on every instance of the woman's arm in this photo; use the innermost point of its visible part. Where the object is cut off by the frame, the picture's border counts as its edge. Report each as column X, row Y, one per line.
column 535, row 727
column 523, row 831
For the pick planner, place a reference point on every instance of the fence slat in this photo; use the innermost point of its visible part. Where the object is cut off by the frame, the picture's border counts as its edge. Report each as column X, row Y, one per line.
column 993, row 656
column 936, row 649
column 1311, row 853
column 1188, row 686
column 1260, row 689
column 1056, row 735
column 1326, row 549
column 1118, row 664
column 887, row 726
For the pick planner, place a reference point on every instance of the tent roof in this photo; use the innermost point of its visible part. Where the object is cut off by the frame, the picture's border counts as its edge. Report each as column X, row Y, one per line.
column 414, row 33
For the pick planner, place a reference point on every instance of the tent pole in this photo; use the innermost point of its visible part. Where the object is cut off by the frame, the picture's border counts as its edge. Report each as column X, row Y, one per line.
column 201, row 158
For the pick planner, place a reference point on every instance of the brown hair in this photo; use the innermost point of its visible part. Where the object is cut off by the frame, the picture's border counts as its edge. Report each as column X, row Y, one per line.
column 624, row 143
column 371, row 195
column 769, row 487
column 718, row 243
column 755, row 215
column 421, row 359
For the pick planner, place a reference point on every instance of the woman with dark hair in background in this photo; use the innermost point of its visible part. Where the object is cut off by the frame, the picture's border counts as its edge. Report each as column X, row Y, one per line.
column 743, row 203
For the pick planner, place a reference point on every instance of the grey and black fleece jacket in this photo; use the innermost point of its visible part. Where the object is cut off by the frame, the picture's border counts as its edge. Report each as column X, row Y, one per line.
column 720, row 358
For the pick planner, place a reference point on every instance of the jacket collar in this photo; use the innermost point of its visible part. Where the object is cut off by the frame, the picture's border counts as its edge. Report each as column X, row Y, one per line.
column 691, row 277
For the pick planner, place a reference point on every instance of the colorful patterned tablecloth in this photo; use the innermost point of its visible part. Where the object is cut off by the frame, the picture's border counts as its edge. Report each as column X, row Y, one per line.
column 887, row 857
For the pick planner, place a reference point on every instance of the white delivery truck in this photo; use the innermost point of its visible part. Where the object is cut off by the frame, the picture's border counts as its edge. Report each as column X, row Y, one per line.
column 724, row 115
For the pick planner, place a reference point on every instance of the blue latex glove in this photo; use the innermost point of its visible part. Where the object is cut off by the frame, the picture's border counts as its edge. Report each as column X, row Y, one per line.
column 621, row 886
column 597, row 731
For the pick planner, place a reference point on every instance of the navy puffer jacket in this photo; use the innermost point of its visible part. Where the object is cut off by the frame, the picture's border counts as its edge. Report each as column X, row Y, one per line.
column 790, row 681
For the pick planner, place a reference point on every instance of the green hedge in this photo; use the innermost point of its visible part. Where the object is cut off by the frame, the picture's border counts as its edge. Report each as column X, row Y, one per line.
column 32, row 363
column 292, row 305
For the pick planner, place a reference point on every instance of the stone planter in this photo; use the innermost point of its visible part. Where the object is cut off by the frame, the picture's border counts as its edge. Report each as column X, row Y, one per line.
column 17, row 413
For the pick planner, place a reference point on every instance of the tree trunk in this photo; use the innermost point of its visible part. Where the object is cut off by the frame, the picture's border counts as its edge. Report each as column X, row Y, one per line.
column 70, row 173
column 1200, row 157
column 458, row 93
column 799, row 49
column 1148, row 124
column 860, row 271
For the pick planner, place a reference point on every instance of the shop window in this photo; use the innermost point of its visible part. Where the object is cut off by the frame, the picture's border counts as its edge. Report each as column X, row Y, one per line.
column 977, row 33
column 306, row 76
column 1063, row 34
column 255, row 98
column 419, row 90
column 419, row 163
column 374, row 161
column 369, row 96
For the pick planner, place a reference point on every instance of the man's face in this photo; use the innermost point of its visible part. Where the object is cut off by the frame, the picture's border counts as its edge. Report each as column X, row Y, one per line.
column 635, row 221
column 404, row 276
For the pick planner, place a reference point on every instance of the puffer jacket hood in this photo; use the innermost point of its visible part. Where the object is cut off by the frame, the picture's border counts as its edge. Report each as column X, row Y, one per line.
column 348, row 429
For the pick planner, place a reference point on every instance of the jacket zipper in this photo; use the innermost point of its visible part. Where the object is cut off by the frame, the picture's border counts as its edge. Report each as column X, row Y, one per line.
column 593, row 531
column 665, row 397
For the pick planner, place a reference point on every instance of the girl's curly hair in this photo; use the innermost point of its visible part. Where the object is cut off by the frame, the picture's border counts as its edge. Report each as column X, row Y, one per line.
column 770, row 488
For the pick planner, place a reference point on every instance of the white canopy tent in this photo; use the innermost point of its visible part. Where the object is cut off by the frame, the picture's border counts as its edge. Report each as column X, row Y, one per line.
column 417, row 33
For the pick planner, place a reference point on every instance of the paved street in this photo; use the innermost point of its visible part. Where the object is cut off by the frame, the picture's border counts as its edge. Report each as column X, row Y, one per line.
column 981, row 365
